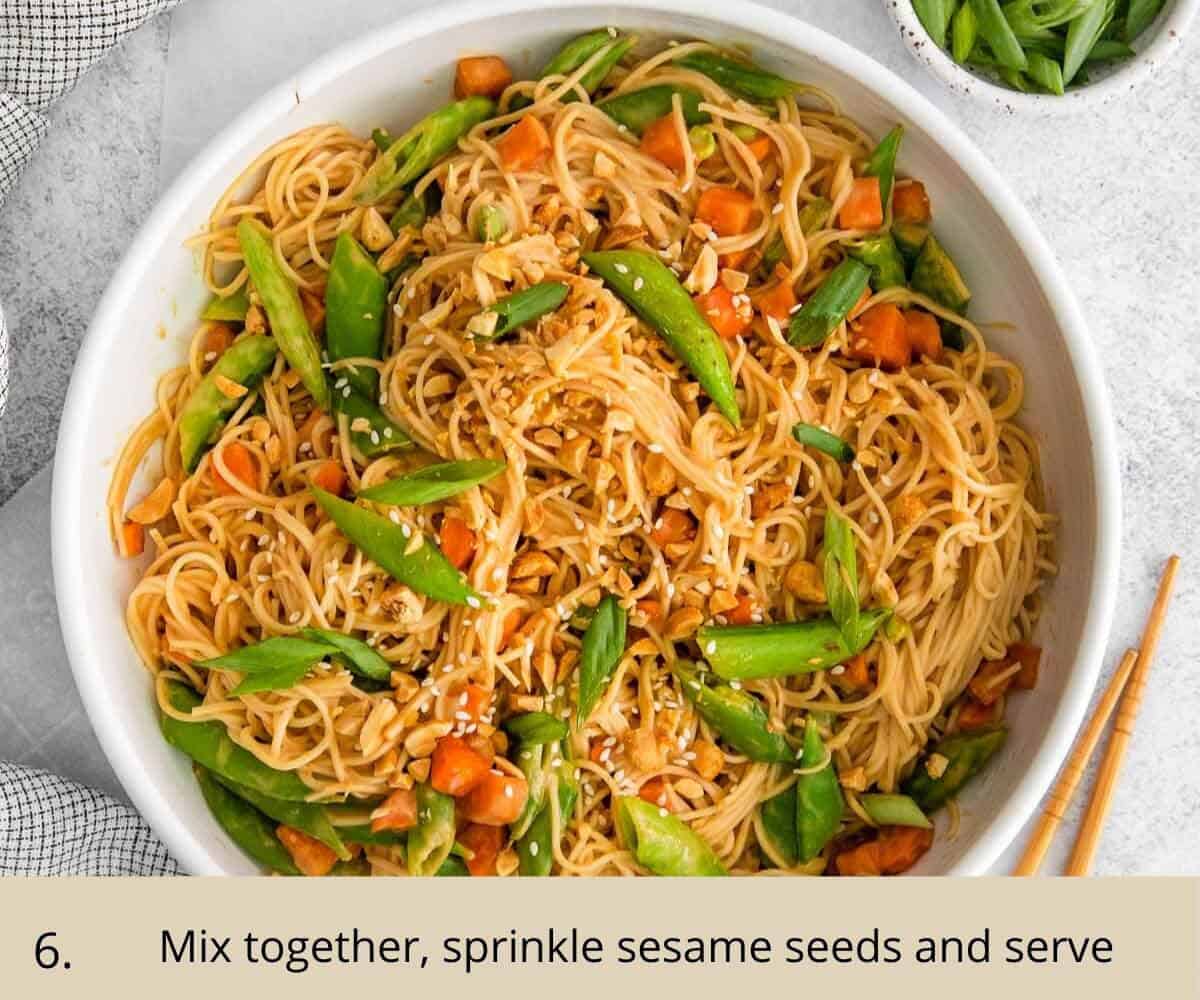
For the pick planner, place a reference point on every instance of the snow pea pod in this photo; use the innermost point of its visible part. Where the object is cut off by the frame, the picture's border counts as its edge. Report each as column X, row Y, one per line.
column 819, row 803
column 567, row 62
column 665, row 845
column 894, row 810
column 209, row 744
column 829, row 305
column 840, row 565
column 966, row 754
column 303, row 816
column 534, row 764
column 425, row 569
column 382, row 434
column 253, row 832
column 413, row 211
column 882, row 256
column 651, row 289
column 230, row 309
column 603, row 645
column 207, row 408
column 812, row 436
column 535, row 850
column 526, row 305
column 747, row 652
column 742, row 78
column 882, row 163
column 421, row 147
column 355, row 312
column 736, row 715
column 638, row 108
column 281, row 299
column 431, row 840
column 778, row 816
column 434, row 482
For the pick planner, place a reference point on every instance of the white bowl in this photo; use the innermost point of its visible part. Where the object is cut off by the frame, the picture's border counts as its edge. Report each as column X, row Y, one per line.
column 1155, row 46
column 382, row 79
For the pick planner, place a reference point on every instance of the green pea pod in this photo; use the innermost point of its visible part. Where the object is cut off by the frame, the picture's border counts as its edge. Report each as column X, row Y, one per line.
column 434, row 482
column 638, row 108
column 491, row 223
column 935, row 16
column 603, row 646
column 663, row 844
column 736, row 715
column 535, row 728
column 841, row 574
column 964, row 33
column 280, row 298
column 413, row 211
column 361, row 833
column 207, row 408
column 421, row 147
column 936, row 276
column 209, row 745
column 355, row 312
column 534, row 764
column 966, row 755
column 997, row 32
column 594, row 77
column 453, row 867
column 815, row 215
column 576, row 52
column 651, row 289
column 526, row 305
column 778, row 815
column 230, row 309
column 882, row 163
column 829, row 305
column 749, row 652
column 253, row 832
column 815, row 437
column 430, row 841
column 894, row 810
column 741, row 77
column 384, row 434
column 426, row 570
column 883, row 257
column 535, row 850
column 360, row 658
column 910, row 237
column 819, row 803
column 303, row 816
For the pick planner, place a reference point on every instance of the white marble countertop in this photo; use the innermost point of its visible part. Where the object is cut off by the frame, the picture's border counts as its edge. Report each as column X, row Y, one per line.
column 1113, row 190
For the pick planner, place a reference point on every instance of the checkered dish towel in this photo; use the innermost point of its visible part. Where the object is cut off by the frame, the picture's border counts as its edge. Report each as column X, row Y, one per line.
column 50, row 826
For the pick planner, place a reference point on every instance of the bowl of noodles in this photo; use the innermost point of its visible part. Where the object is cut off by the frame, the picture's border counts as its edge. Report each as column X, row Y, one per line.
column 611, row 441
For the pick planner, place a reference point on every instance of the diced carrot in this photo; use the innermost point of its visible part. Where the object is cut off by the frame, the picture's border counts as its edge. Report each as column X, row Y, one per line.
column 331, row 477
column 863, row 209
column 397, row 812
column 730, row 315
column 1030, row 658
column 894, row 850
column 496, row 800
column 779, row 300
column 975, row 715
column 857, row 673
column 240, row 463
column 661, row 140
column 456, row 767
column 314, row 309
column 910, row 202
column 735, row 260
column 880, row 336
column 457, row 541
column 481, row 75
column 651, row 608
column 984, row 686
column 133, row 540
column 217, row 338
column 484, row 843
column 760, row 146
column 525, row 145
column 673, row 526
column 924, row 334
column 311, row 856
column 512, row 622
column 155, row 505
column 473, row 699
column 742, row 613
column 726, row 209
column 658, row 792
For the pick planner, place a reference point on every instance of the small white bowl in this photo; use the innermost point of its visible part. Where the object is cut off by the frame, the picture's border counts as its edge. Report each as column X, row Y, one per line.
column 394, row 75
column 1155, row 46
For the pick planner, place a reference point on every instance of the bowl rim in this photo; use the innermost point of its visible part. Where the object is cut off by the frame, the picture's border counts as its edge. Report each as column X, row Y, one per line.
column 72, row 453
column 1165, row 34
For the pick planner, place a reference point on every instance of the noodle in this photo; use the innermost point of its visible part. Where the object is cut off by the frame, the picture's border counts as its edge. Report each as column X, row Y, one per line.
column 602, row 429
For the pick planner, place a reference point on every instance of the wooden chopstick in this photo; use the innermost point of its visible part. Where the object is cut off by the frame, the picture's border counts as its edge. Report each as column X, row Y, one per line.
column 1068, row 781
column 1110, row 768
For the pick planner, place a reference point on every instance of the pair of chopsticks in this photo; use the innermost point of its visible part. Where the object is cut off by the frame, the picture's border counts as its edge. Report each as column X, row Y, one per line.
column 1131, row 672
